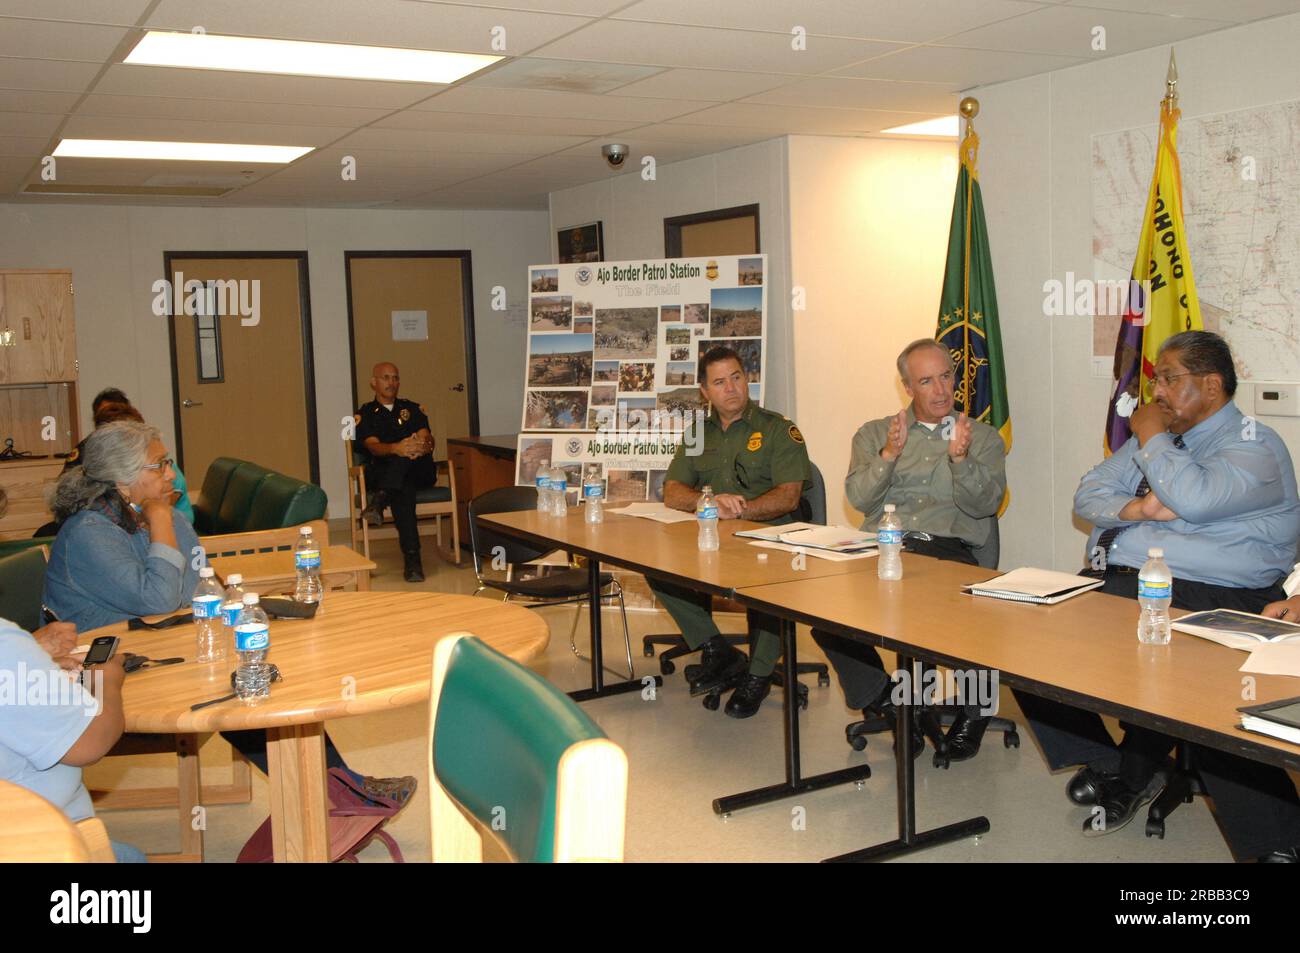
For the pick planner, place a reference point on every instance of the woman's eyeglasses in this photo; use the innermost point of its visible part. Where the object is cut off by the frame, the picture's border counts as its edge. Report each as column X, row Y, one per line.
column 162, row 464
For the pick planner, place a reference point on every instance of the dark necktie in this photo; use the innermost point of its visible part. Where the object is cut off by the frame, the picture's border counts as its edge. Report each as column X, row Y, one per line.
column 1143, row 488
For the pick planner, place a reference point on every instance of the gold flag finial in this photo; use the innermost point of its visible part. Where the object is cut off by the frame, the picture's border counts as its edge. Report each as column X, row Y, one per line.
column 969, row 108
column 1171, row 80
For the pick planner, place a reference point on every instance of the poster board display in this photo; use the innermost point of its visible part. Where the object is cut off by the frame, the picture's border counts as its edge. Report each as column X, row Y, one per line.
column 612, row 353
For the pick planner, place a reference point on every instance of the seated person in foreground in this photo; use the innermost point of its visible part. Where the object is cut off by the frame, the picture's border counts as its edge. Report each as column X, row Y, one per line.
column 757, row 464
column 946, row 477
column 124, row 551
column 1217, row 492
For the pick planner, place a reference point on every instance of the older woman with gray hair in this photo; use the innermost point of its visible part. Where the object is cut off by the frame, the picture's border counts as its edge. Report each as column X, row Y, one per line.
column 123, row 550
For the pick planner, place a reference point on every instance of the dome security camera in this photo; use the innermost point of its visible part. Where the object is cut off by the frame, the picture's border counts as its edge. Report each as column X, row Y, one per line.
column 615, row 153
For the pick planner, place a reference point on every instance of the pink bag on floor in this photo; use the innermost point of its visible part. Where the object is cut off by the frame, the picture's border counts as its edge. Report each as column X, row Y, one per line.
column 356, row 818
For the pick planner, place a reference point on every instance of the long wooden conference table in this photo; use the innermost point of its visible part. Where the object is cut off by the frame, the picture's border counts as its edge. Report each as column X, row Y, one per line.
column 1083, row 651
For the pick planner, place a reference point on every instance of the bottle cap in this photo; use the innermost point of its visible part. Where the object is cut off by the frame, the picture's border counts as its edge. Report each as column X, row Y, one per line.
column 1155, row 552
column 304, row 530
column 889, row 507
column 206, row 572
column 234, row 579
column 250, row 599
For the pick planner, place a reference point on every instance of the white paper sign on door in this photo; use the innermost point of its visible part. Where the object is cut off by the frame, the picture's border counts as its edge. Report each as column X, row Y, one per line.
column 410, row 325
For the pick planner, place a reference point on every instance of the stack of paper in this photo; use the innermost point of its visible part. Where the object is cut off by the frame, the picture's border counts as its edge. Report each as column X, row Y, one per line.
column 1040, row 586
column 654, row 511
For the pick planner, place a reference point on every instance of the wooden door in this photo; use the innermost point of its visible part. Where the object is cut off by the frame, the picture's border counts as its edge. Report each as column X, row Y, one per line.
column 412, row 310
column 37, row 321
column 255, row 399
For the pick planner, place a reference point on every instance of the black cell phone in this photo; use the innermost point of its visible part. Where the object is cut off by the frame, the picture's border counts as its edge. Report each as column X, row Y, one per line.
column 101, row 650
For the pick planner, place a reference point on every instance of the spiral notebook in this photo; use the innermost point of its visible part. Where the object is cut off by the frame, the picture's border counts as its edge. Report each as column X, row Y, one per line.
column 1039, row 586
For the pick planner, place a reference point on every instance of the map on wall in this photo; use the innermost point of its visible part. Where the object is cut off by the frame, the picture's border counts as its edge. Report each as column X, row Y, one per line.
column 1241, row 196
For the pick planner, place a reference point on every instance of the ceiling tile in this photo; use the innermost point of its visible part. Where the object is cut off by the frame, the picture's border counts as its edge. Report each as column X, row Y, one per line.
column 35, row 101
column 661, row 44
column 48, row 39
column 525, row 125
column 722, row 137
column 1238, row 11
column 861, row 94
column 121, row 12
column 256, row 87
column 23, row 146
column 712, row 84
column 807, row 120
column 587, row 8
column 958, row 68
column 216, row 110
column 903, row 20
column 1069, row 31
column 541, row 102
column 400, row 23
column 54, row 75
column 34, row 125
column 564, row 76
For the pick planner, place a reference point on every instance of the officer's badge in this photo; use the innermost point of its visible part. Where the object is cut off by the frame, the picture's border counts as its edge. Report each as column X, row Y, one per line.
column 795, row 435
column 404, row 415
column 755, row 441
column 72, row 457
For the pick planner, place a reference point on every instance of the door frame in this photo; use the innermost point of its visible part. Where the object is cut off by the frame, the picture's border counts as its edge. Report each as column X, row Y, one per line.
column 467, row 309
column 673, row 226
column 308, row 354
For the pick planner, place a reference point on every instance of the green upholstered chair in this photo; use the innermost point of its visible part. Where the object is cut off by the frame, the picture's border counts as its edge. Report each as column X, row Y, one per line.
column 22, row 579
column 513, row 758
column 210, row 494
column 244, row 507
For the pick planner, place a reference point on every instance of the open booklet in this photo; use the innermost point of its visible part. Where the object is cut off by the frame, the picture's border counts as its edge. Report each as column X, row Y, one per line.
column 837, row 539
column 1041, row 586
column 1237, row 630
column 655, row 511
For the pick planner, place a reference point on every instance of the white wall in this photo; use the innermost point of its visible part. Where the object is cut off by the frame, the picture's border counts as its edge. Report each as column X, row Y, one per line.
column 1036, row 175
column 633, row 212
column 868, row 238
column 116, row 253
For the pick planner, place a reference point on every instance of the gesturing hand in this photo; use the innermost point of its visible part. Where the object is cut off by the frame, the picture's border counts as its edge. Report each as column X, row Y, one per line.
column 959, row 440
column 897, row 438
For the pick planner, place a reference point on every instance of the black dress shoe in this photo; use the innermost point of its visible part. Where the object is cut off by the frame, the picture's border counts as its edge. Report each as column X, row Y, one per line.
column 374, row 510
column 721, row 666
column 1290, row 856
column 414, row 571
column 1117, row 804
column 1086, row 785
column 748, row 696
column 964, row 737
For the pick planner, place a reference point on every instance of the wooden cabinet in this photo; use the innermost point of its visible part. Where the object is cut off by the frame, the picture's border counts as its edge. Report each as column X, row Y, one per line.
column 38, row 341
column 479, row 464
column 25, row 482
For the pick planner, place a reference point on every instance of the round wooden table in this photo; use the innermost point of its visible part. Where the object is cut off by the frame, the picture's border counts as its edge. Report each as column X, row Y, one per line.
column 363, row 652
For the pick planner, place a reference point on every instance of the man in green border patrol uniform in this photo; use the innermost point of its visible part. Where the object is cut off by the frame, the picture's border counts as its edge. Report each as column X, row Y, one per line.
column 757, row 464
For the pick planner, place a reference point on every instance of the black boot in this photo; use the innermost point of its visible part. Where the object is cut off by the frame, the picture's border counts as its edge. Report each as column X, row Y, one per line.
column 748, row 696
column 414, row 571
column 374, row 511
column 964, row 737
column 721, row 665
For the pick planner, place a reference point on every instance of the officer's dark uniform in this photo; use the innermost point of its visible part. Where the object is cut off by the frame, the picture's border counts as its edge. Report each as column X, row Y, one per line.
column 397, row 476
column 758, row 452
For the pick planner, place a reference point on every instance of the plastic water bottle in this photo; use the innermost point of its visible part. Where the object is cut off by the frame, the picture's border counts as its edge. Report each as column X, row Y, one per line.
column 206, row 603
column 1155, row 593
column 559, row 486
column 543, row 484
column 306, row 560
column 706, row 513
column 252, row 642
column 889, row 537
column 231, row 605
column 593, row 491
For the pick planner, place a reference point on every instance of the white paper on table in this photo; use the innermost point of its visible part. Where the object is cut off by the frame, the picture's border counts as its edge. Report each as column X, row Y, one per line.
column 1273, row 659
column 654, row 511
column 815, row 553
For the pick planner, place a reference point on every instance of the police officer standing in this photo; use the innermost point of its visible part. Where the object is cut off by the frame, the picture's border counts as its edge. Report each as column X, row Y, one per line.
column 395, row 433
column 757, row 464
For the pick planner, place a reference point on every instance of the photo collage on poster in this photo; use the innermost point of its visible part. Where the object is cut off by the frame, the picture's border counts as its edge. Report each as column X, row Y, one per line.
column 613, row 352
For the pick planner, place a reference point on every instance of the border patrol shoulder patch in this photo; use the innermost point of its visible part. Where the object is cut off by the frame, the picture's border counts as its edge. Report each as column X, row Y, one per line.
column 795, row 435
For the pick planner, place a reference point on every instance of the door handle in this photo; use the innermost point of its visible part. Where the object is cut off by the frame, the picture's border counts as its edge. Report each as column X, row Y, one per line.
column 191, row 403
column 457, row 388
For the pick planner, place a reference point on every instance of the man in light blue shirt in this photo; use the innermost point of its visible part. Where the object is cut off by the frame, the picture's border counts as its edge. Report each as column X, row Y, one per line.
column 1217, row 492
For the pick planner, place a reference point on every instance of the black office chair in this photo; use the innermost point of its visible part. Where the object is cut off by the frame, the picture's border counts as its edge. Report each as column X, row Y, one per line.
column 812, row 509
column 933, row 719
column 501, row 552
column 1183, row 784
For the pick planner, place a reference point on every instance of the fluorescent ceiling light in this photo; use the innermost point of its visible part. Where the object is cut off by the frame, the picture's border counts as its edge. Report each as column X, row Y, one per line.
column 185, row 151
column 298, row 58
column 943, row 126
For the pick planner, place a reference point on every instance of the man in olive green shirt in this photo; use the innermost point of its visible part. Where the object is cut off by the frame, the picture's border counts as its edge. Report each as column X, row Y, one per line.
column 946, row 476
column 757, row 465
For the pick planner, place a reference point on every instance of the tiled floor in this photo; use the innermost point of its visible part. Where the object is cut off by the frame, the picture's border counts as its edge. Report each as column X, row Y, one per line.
column 682, row 756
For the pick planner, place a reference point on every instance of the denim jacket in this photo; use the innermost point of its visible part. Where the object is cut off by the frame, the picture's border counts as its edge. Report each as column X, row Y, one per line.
column 100, row 574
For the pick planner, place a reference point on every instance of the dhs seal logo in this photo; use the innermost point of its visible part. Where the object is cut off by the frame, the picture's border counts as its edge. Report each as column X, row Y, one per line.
column 583, row 275
column 573, row 447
